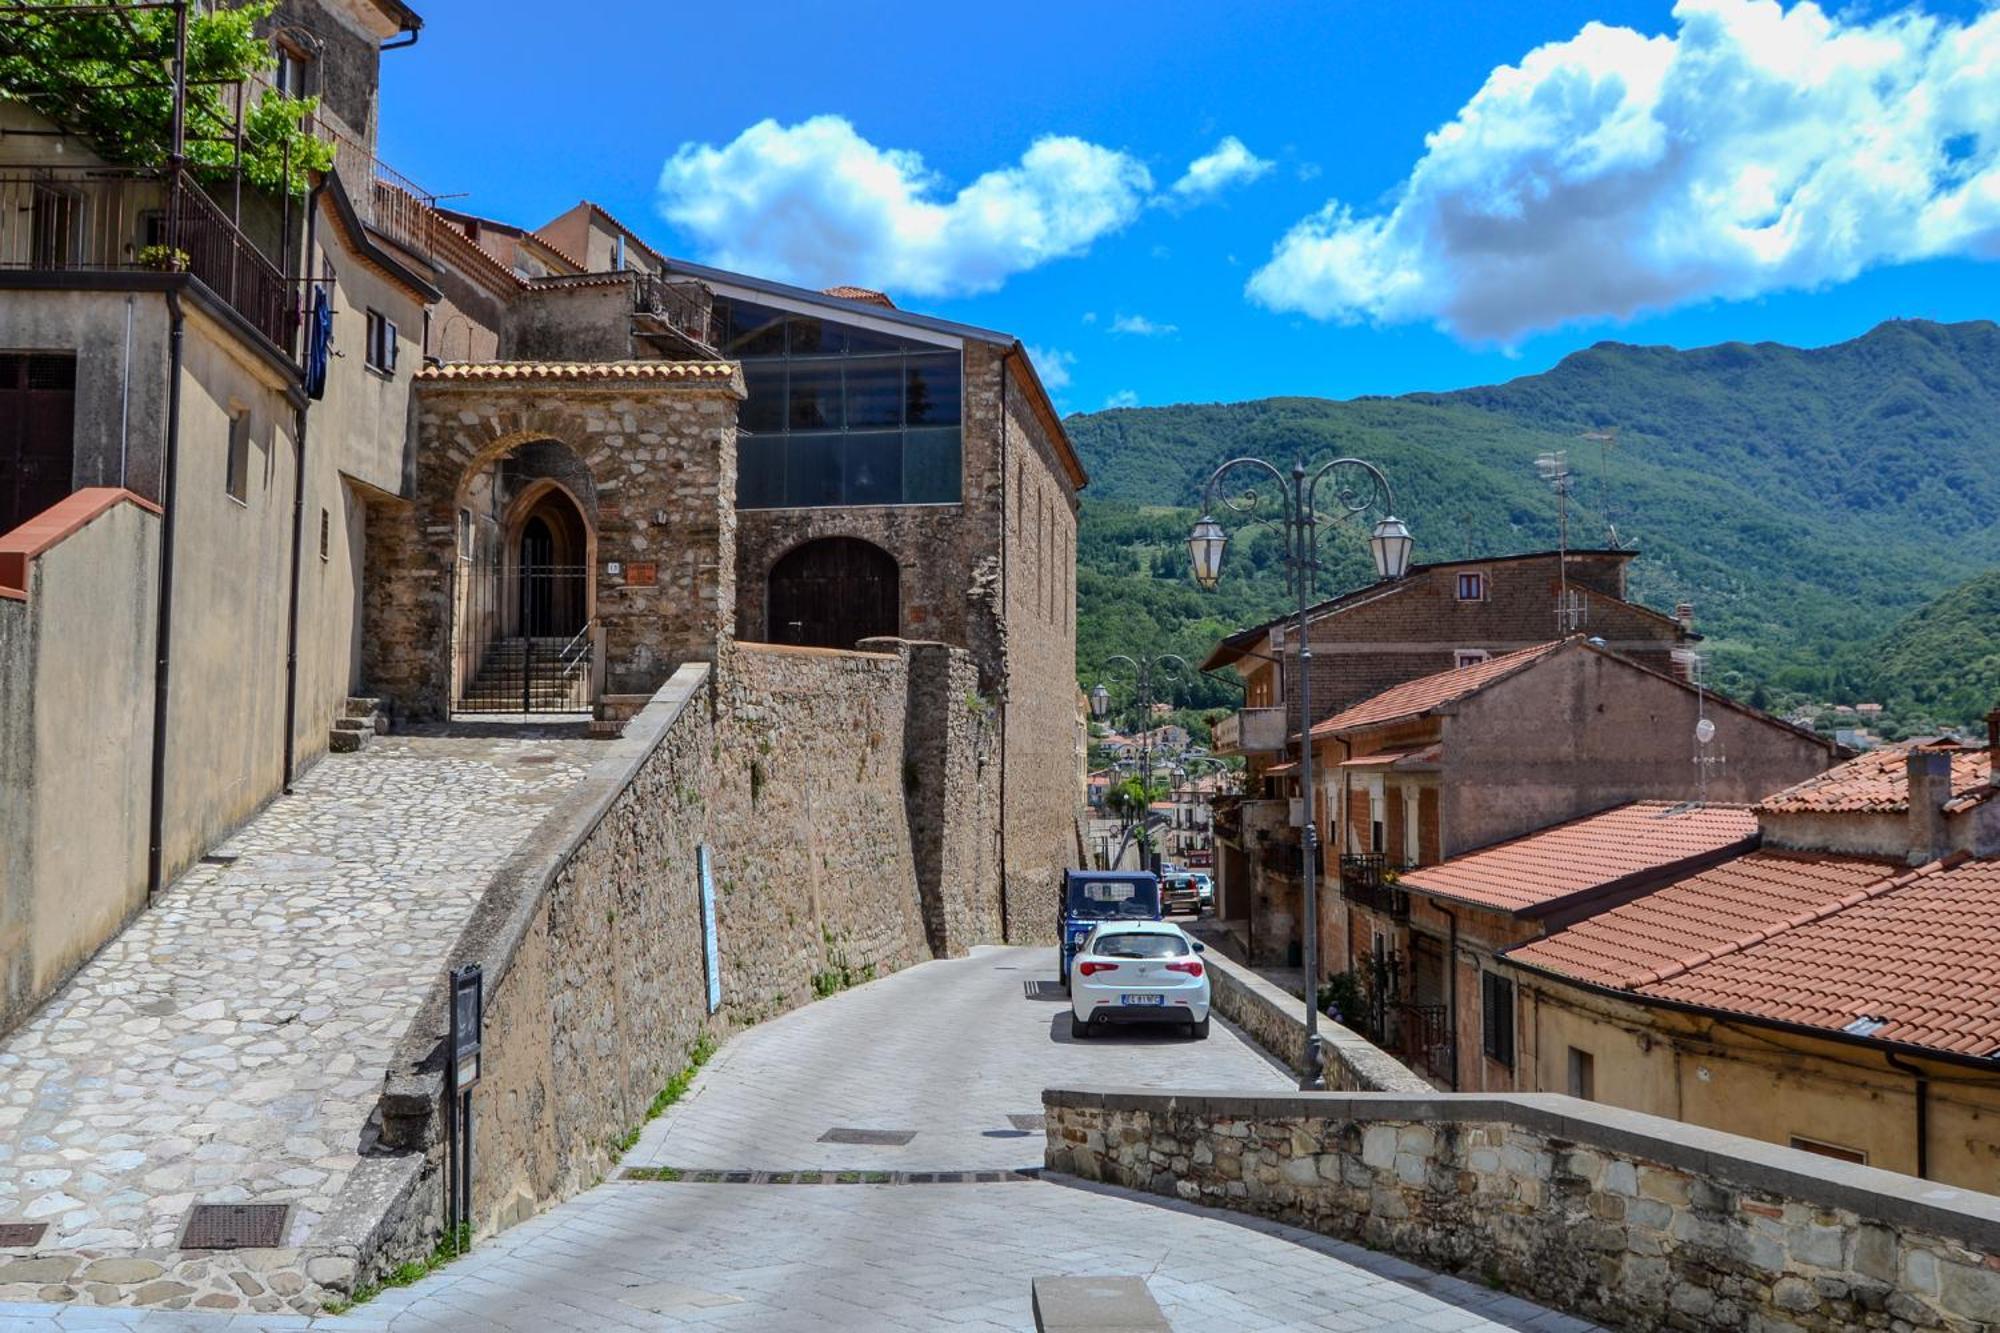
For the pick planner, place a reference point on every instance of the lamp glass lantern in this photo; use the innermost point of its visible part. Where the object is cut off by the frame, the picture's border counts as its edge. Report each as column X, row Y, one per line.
column 1206, row 546
column 1100, row 702
column 1390, row 543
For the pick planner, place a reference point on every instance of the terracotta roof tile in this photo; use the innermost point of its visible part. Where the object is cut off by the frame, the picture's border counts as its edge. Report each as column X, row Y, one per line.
column 868, row 294
column 1920, row 954
column 1542, row 868
column 1697, row 917
column 1417, row 697
column 1878, row 783
column 501, row 372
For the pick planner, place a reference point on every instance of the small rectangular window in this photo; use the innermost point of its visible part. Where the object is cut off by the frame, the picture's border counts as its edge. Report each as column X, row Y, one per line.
column 1582, row 1074
column 465, row 534
column 290, row 75
column 1833, row 1150
column 381, row 350
column 236, row 470
column 1496, row 994
column 1472, row 587
column 1466, row 657
column 325, row 534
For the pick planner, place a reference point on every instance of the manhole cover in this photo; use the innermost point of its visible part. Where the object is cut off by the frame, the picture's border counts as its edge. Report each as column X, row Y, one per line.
column 536, row 759
column 235, row 1226
column 21, row 1235
column 874, row 1138
column 1043, row 990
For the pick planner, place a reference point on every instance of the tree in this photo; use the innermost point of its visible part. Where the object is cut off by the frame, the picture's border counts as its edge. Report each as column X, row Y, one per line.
column 107, row 78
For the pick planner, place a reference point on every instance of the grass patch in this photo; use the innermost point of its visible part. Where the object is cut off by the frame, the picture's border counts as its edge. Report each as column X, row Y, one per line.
column 653, row 1173
column 449, row 1247
column 699, row 1054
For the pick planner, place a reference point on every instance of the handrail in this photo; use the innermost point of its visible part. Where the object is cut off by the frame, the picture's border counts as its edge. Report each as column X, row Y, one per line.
column 576, row 652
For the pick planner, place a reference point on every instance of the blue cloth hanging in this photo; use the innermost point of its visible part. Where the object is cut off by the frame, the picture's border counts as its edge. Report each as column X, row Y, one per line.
column 319, row 342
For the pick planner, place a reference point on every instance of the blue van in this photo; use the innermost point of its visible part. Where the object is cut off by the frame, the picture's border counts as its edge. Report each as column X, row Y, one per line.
column 1094, row 896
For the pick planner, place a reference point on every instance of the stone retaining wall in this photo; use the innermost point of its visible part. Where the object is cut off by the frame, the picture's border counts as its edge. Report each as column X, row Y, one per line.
column 1274, row 1018
column 795, row 768
column 1631, row 1220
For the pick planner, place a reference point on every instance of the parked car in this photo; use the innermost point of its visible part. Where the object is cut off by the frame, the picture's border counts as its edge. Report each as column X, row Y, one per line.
column 1179, row 893
column 1138, row 972
column 1092, row 897
column 1204, row 884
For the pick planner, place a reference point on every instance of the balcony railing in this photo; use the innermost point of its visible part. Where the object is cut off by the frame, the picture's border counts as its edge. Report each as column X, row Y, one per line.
column 1252, row 731
column 1366, row 881
column 78, row 219
column 683, row 304
column 1423, row 1034
column 390, row 202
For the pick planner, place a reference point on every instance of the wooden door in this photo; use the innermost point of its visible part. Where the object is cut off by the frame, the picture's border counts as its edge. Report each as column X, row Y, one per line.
column 37, row 433
column 833, row 593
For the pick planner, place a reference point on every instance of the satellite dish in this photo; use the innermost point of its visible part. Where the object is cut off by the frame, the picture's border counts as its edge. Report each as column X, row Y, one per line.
column 1704, row 731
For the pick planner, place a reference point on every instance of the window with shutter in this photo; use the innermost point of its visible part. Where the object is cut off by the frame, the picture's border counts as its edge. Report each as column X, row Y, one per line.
column 1497, row 1017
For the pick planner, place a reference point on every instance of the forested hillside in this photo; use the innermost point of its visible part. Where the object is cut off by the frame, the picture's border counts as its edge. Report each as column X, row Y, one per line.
column 1806, row 501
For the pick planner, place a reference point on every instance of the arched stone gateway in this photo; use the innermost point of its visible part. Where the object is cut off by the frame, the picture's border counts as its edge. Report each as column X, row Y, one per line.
column 626, row 469
column 833, row 593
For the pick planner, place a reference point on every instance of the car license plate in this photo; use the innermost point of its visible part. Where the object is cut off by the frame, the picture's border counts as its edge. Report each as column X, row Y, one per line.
column 1142, row 999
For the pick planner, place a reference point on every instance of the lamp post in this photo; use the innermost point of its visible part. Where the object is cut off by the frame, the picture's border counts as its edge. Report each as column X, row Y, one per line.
column 1355, row 487
column 1144, row 671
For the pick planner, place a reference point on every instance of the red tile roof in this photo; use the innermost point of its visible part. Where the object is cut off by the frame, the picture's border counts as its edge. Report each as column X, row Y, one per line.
column 1878, row 782
column 1921, row 954
column 722, row 372
column 1695, row 918
column 868, row 294
column 1543, row 868
column 1417, row 697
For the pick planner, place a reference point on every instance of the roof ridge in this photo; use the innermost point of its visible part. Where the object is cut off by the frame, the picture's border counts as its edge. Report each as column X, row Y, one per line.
column 1480, row 676
column 1886, row 885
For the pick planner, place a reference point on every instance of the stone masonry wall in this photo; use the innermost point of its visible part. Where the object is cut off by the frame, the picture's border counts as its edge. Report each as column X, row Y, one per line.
column 792, row 767
column 1275, row 1019
column 1633, row 1221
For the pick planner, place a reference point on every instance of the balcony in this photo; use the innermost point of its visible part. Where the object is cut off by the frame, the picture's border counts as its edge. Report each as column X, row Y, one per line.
column 1252, row 731
column 391, row 203
column 682, row 304
column 105, row 219
column 1368, row 880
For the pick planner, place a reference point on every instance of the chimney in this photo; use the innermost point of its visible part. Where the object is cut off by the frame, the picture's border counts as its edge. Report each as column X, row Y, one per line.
column 1930, row 787
column 1684, row 612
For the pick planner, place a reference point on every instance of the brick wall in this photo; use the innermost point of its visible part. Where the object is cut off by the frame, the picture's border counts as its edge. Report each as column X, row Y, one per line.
column 1634, row 1221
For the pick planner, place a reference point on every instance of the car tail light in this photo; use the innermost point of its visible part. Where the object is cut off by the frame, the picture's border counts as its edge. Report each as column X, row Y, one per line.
column 1190, row 967
column 1092, row 969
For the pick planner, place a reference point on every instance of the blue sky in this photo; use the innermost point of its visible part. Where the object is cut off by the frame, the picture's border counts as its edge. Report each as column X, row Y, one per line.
column 1732, row 169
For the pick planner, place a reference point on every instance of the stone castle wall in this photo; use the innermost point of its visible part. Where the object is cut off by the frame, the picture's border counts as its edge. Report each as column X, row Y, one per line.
column 1630, row 1220
column 808, row 775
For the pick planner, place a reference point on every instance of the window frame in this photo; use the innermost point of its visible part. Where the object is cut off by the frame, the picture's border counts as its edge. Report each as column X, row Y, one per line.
column 1581, row 1074
column 381, row 343
column 236, row 459
column 1462, row 658
column 1496, row 1039
column 1476, row 579
column 1839, row 1152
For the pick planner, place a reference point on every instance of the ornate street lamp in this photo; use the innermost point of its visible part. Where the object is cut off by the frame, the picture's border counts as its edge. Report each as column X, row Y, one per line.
column 1300, row 512
column 1145, row 673
column 1100, row 702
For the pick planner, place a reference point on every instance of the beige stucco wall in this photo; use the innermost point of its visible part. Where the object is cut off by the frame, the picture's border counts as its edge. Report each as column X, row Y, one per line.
column 76, row 705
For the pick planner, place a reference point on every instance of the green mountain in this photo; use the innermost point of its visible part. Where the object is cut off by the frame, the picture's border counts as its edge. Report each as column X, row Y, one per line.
column 1805, row 500
column 1942, row 663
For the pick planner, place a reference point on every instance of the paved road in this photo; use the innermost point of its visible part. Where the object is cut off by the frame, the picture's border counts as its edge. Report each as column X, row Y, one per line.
column 948, row 1050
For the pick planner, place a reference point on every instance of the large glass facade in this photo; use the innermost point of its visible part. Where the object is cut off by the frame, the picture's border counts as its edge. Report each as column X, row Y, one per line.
column 838, row 414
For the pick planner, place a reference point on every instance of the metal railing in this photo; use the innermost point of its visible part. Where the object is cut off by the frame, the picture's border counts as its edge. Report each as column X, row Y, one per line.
column 72, row 219
column 1423, row 1034
column 387, row 200
column 684, row 304
column 1366, row 880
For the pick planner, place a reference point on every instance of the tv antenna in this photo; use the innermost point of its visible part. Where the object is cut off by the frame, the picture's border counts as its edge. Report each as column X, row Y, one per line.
column 1708, row 756
column 1606, row 440
column 1553, row 468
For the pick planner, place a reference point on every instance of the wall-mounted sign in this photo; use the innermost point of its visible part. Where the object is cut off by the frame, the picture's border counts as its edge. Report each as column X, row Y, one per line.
column 467, row 1017
column 641, row 576
column 711, row 955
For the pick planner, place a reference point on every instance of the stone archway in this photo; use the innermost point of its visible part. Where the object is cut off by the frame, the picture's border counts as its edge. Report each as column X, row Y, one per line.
column 647, row 453
column 833, row 593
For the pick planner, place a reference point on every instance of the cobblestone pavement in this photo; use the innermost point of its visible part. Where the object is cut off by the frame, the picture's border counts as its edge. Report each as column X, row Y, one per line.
column 230, row 1044
column 779, row 1258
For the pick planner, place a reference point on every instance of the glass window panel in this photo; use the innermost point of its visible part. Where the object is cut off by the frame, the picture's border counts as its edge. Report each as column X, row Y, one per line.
column 760, row 471
column 764, row 409
column 814, row 396
column 931, row 390
column 931, row 466
column 874, row 392
column 813, row 468
column 874, row 468
column 861, row 341
column 754, row 330
column 816, row 337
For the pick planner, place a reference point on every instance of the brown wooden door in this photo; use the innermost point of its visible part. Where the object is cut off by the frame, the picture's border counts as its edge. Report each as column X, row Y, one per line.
column 37, row 433
column 833, row 593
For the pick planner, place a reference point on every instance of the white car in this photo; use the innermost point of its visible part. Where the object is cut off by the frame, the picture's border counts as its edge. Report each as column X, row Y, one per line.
column 1138, row 972
column 1205, row 886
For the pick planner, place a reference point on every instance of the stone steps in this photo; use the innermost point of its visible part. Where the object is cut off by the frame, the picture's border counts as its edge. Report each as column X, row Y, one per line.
column 361, row 720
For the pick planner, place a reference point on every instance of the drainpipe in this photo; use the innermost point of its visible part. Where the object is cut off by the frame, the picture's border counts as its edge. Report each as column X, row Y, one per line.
column 1922, row 1086
column 1004, row 358
column 1451, row 991
column 164, row 620
column 298, row 507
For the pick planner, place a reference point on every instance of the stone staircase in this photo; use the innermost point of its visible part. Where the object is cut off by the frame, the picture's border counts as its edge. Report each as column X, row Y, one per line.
column 498, row 688
column 361, row 720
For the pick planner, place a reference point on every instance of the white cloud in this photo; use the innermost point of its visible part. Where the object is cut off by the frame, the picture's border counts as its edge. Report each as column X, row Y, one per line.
column 815, row 203
column 1123, row 398
column 1053, row 366
column 1231, row 163
column 1090, row 316
column 1140, row 326
column 1756, row 149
